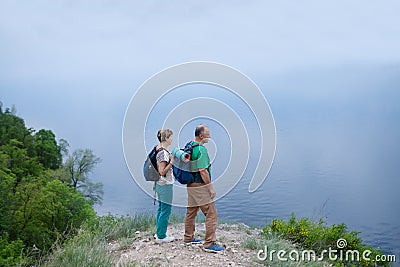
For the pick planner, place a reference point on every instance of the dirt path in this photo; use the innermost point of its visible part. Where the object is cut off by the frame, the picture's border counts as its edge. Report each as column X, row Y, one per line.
column 143, row 251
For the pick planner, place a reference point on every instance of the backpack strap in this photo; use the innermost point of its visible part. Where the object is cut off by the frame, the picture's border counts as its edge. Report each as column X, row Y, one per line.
column 194, row 145
column 196, row 175
column 155, row 196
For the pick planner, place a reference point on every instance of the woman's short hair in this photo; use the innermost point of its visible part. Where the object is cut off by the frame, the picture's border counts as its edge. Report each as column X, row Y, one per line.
column 164, row 134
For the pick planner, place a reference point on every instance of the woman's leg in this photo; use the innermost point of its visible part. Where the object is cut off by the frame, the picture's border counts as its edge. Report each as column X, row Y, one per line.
column 165, row 195
column 158, row 212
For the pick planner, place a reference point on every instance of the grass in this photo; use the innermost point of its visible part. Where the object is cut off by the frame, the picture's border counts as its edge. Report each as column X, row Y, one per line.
column 274, row 242
column 90, row 246
column 83, row 250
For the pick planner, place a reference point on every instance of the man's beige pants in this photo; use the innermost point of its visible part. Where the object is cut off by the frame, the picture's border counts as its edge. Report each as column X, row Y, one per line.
column 199, row 197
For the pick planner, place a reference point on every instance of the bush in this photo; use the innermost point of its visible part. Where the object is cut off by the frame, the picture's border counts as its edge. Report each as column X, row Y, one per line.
column 318, row 236
column 10, row 252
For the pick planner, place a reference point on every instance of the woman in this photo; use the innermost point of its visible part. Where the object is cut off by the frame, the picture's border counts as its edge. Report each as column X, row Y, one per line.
column 164, row 186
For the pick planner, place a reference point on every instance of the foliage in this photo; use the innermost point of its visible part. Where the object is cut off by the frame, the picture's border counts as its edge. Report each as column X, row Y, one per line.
column 55, row 211
column 48, row 152
column 10, row 252
column 37, row 206
column 318, row 236
column 273, row 242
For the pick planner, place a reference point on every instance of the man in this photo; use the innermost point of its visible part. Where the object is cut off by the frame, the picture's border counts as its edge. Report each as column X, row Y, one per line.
column 201, row 194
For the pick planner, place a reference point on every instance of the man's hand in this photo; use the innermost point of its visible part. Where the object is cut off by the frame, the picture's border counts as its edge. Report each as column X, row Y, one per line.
column 212, row 191
column 206, row 179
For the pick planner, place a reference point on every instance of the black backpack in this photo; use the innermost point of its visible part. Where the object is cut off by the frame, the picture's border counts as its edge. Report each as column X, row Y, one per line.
column 150, row 170
column 183, row 170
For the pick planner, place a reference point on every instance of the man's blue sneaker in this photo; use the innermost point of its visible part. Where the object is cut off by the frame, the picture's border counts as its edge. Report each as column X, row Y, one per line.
column 194, row 241
column 214, row 248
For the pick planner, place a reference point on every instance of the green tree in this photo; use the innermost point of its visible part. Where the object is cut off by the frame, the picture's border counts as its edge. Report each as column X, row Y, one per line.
column 7, row 199
column 55, row 211
column 78, row 167
column 48, row 152
column 13, row 127
column 15, row 157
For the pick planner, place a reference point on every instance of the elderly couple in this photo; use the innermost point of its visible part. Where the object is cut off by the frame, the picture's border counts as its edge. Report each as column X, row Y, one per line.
column 200, row 193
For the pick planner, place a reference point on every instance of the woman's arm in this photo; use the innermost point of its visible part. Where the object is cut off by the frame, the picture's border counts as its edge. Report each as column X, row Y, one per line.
column 164, row 167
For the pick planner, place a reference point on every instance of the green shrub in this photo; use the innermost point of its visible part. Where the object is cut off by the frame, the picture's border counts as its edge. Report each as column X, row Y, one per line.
column 276, row 243
column 10, row 252
column 318, row 236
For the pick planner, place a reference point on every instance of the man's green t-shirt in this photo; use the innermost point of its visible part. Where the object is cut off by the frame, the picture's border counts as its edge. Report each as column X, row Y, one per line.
column 200, row 159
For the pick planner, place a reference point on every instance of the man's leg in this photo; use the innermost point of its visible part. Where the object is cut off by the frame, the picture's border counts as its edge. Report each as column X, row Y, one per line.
column 210, row 211
column 190, row 221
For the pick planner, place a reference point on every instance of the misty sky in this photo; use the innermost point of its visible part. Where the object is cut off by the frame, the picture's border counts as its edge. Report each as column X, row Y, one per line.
column 72, row 66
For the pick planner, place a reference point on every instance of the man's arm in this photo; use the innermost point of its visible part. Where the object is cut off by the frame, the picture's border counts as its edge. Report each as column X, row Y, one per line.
column 206, row 179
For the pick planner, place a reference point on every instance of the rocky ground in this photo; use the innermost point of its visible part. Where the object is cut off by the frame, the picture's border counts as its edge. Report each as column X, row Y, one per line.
column 143, row 251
